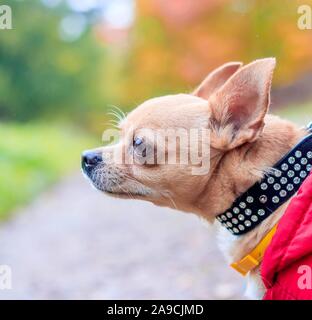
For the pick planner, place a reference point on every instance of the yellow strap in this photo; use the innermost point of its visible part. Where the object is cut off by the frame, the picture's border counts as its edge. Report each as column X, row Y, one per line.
column 253, row 259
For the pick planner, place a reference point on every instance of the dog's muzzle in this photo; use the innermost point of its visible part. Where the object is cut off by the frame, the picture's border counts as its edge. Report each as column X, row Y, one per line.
column 89, row 160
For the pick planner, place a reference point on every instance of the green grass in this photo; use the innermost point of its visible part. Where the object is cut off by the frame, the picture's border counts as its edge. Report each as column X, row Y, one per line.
column 33, row 157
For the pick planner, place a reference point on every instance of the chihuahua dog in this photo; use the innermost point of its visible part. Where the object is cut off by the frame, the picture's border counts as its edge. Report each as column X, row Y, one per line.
column 244, row 143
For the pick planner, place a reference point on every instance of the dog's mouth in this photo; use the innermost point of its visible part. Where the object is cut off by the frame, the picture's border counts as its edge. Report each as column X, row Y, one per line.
column 100, row 180
column 113, row 184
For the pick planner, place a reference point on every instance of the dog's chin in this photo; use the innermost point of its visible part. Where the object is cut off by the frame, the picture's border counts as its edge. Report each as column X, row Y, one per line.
column 117, row 193
column 121, row 195
column 120, row 190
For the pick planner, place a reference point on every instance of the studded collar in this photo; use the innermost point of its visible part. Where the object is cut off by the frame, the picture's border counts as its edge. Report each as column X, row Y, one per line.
column 268, row 194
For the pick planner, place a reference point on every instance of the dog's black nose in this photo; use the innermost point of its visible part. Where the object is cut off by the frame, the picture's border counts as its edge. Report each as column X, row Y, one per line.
column 90, row 159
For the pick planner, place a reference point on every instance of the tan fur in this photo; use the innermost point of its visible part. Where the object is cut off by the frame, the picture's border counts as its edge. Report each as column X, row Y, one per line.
column 245, row 143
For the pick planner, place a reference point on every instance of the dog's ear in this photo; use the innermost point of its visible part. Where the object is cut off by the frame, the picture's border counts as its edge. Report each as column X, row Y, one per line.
column 216, row 79
column 239, row 106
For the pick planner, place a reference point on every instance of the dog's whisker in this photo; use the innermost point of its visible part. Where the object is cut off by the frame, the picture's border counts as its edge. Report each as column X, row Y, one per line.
column 114, row 123
column 169, row 197
column 122, row 114
column 128, row 192
column 117, row 113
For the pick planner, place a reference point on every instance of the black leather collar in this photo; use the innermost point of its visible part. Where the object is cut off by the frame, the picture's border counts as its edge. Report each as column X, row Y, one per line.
column 268, row 194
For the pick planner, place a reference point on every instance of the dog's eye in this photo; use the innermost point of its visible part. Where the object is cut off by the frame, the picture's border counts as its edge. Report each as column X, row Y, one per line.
column 139, row 147
column 137, row 142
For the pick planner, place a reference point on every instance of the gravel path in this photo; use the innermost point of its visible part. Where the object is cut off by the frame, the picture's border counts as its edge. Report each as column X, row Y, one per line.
column 75, row 243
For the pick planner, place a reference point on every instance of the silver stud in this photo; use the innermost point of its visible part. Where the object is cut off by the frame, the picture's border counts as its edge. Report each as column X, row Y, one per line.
column 270, row 180
column 296, row 180
column 303, row 174
column 283, row 193
column 298, row 154
column 304, row 161
column 250, row 199
column 263, row 186
column 261, row 212
column 234, row 221
column 229, row 215
column 235, row 230
column 229, row 224
column 263, row 198
column 291, row 160
column 277, row 173
column 254, row 218
column 283, row 180
column 309, row 154
column 309, row 167
column 247, row 223
column 276, row 186
column 241, row 217
column 248, row 212
column 241, row 227
column 297, row 166
column 219, row 219
column 275, row 199
column 290, row 173
column 235, row 210
column 231, row 231
column 290, row 187
column 284, row 166
column 223, row 217
column 242, row 205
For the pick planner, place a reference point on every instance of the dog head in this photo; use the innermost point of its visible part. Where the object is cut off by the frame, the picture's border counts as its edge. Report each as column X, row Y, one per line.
column 169, row 147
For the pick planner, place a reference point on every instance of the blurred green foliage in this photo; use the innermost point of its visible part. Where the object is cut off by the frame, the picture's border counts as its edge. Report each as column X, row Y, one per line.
column 32, row 156
column 45, row 83
column 42, row 75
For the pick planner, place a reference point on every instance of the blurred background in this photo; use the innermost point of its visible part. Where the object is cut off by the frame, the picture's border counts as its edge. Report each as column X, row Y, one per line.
column 63, row 66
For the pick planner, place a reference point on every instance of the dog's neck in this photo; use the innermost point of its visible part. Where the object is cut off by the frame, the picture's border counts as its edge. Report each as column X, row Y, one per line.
column 233, row 174
column 238, row 170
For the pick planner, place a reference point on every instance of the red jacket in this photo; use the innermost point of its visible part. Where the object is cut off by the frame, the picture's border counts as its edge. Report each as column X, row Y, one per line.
column 287, row 264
